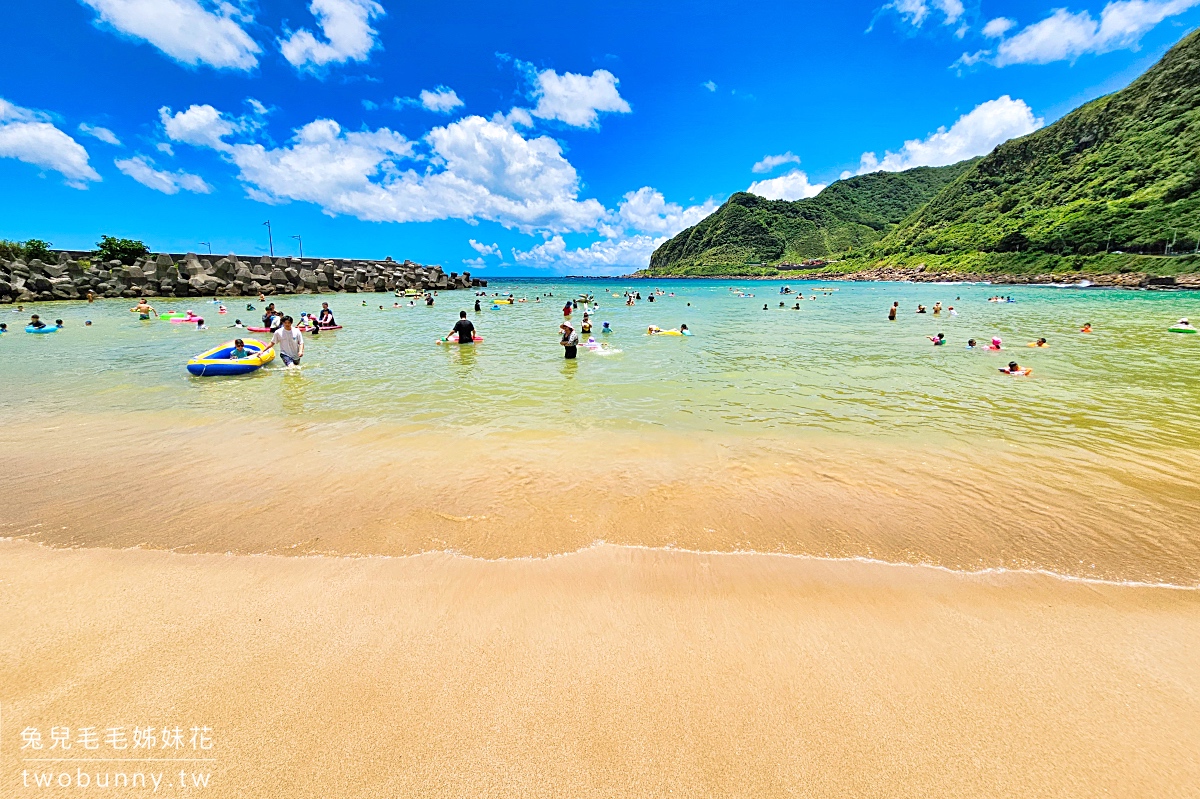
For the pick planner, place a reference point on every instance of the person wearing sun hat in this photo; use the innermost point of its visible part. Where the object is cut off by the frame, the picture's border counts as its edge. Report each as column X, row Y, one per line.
column 569, row 341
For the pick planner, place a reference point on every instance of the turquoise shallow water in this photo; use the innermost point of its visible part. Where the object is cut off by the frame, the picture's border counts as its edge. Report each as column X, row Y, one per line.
column 826, row 431
column 836, row 366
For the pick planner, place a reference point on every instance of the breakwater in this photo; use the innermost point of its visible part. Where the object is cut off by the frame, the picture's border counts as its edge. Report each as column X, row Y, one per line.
column 189, row 275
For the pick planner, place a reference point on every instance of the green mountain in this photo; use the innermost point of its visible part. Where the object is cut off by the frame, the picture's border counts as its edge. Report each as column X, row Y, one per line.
column 1120, row 173
column 847, row 215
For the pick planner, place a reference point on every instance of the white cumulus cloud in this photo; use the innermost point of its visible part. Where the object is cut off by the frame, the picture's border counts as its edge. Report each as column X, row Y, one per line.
column 710, row 85
column 604, row 256
column 441, row 100
column 975, row 133
column 141, row 169
column 915, row 12
column 199, row 126
column 643, row 221
column 771, row 161
column 791, row 186
column 349, row 36
column 28, row 136
column 647, row 211
column 103, row 134
column 478, row 169
column 997, row 27
column 1066, row 35
column 576, row 100
column 484, row 249
column 188, row 31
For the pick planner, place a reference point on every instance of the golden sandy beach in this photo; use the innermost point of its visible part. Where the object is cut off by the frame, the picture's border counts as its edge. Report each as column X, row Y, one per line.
column 610, row 672
column 274, row 487
column 769, row 616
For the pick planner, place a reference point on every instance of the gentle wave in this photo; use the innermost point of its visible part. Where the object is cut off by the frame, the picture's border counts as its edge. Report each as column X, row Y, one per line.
column 601, row 544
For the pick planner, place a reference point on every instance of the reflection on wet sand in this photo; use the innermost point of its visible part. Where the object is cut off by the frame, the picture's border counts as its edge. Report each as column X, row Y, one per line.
column 375, row 489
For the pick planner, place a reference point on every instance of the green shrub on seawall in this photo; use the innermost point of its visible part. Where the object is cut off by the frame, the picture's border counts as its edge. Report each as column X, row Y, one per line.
column 126, row 251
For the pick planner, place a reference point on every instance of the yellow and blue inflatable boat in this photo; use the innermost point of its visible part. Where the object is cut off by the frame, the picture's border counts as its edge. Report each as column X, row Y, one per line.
column 217, row 363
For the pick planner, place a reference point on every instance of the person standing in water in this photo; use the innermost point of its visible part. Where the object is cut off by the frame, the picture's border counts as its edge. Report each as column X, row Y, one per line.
column 463, row 329
column 290, row 341
column 892, row 311
column 143, row 309
column 569, row 341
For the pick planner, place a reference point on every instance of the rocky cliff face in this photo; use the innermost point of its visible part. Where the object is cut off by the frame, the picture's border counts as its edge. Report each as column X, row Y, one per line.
column 193, row 276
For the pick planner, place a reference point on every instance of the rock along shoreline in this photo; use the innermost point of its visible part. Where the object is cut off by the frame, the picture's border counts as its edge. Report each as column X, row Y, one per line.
column 895, row 274
column 74, row 276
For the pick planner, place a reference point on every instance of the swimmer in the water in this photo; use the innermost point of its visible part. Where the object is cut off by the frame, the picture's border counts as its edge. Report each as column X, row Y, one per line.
column 144, row 310
column 937, row 340
column 1087, row 328
column 1014, row 369
column 971, row 344
column 1041, row 342
column 996, row 344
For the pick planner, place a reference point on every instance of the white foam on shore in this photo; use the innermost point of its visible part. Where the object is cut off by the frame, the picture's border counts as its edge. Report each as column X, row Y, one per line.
column 990, row 571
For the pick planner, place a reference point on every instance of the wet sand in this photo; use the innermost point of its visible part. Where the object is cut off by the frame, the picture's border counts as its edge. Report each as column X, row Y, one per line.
column 609, row 672
column 164, row 482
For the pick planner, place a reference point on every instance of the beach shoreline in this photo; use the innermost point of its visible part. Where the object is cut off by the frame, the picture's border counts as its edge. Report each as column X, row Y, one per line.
column 155, row 481
column 610, row 672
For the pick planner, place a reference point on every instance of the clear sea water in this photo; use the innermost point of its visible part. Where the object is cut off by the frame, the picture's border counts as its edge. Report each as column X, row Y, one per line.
column 836, row 366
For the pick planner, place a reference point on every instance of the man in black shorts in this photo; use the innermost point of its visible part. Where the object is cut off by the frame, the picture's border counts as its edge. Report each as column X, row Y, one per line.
column 463, row 329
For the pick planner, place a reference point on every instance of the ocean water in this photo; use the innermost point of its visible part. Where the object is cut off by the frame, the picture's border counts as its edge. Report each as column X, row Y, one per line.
column 836, row 366
column 826, row 431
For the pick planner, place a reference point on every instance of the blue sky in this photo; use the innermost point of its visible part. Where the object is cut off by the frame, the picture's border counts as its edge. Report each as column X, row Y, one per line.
column 516, row 137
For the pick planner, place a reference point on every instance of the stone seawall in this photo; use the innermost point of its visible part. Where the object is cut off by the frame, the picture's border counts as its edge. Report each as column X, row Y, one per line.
column 189, row 275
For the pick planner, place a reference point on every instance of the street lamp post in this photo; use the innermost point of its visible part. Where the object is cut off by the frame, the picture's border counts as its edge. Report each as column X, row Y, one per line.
column 209, row 245
column 297, row 238
column 270, row 237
